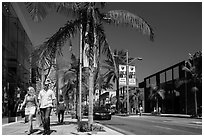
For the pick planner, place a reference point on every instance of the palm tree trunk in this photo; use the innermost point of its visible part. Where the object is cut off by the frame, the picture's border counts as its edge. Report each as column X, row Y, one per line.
column 196, row 110
column 57, row 86
column 80, row 72
column 117, row 95
column 74, row 102
column 157, row 106
column 91, row 84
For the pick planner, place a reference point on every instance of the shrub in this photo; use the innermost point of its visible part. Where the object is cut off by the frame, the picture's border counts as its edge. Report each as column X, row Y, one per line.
column 83, row 127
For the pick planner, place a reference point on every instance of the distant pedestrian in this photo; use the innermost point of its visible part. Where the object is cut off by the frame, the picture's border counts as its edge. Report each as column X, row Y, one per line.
column 159, row 110
column 141, row 110
column 31, row 104
column 155, row 110
column 61, row 109
column 46, row 99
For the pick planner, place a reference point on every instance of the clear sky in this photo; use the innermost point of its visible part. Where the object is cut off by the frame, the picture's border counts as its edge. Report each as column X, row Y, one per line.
column 177, row 27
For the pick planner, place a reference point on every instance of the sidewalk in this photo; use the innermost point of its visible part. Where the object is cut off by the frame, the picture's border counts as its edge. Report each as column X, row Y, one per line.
column 68, row 128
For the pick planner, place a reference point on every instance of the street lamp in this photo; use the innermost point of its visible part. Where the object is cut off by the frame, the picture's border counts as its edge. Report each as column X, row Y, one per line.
column 127, row 79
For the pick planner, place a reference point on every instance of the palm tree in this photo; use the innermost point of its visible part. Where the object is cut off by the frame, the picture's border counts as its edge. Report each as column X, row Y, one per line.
column 100, row 82
column 112, row 67
column 135, row 98
column 194, row 67
column 71, row 79
column 88, row 19
column 155, row 94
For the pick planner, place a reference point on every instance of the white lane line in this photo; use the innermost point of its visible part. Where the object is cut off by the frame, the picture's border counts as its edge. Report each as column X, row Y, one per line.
column 164, row 127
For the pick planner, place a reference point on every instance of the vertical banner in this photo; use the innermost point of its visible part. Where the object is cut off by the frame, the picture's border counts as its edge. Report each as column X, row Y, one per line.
column 85, row 52
column 122, row 75
column 132, row 76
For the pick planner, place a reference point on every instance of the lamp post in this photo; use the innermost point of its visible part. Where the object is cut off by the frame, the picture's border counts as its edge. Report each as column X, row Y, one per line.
column 127, row 80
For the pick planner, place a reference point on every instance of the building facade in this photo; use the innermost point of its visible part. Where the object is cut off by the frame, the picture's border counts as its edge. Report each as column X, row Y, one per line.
column 16, row 62
column 178, row 99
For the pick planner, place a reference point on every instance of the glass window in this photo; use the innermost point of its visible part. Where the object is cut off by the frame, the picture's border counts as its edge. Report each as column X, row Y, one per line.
column 176, row 72
column 13, row 38
column 162, row 77
column 147, row 83
column 153, row 80
column 169, row 75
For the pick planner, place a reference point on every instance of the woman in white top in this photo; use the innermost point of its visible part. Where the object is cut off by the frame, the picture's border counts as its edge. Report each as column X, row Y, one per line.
column 31, row 103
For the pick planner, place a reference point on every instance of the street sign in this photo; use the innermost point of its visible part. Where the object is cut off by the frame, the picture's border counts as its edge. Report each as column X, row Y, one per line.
column 132, row 76
column 122, row 75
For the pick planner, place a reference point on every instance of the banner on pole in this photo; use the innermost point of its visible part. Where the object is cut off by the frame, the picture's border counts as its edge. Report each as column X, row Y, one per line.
column 122, row 75
column 132, row 76
column 85, row 55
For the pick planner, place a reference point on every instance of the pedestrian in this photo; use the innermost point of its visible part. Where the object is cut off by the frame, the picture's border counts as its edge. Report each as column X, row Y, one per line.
column 159, row 110
column 46, row 99
column 141, row 110
column 31, row 105
column 61, row 109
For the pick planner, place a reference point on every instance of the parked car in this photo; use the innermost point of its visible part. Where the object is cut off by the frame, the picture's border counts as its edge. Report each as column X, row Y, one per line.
column 101, row 113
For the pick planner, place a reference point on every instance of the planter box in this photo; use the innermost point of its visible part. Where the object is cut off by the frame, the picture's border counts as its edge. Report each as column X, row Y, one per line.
column 18, row 118
column 4, row 120
column 11, row 119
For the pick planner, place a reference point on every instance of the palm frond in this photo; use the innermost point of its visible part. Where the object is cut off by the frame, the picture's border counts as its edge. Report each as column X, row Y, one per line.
column 186, row 69
column 161, row 93
column 69, row 8
column 37, row 10
column 53, row 45
column 127, row 18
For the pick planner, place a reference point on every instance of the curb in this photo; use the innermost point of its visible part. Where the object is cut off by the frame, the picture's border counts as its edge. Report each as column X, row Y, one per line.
column 160, row 115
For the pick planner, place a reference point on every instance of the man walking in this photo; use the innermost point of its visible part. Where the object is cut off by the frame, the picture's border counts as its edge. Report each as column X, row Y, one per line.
column 46, row 98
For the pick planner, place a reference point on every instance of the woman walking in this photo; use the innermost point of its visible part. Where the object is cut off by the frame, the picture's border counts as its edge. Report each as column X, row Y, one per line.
column 31, row 104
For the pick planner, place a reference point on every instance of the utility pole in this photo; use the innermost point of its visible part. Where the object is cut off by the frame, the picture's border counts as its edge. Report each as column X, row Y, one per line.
column 80, row 72
column 127, row 84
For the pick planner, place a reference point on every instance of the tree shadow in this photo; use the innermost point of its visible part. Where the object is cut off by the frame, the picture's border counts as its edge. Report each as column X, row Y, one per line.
column 55, row 123
column 42, row 131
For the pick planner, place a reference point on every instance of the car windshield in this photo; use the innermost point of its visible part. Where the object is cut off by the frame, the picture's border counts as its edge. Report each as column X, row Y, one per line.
column 100, row 109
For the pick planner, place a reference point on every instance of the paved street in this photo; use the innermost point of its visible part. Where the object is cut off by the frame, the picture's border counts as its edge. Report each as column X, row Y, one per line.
column 154, row 125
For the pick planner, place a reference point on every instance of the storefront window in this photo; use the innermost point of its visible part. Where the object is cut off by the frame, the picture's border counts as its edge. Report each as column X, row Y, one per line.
column 153, row 80
column 176, row 72
column 14, row 61
column 169, row 75
column 147, row 83
column 162, row 77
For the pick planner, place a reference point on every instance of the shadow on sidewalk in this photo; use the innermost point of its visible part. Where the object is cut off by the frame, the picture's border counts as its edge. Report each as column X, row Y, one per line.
column 55, row 123
column 41, row 132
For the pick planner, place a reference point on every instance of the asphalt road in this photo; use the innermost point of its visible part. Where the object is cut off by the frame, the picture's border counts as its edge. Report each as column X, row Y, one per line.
column 154, row 125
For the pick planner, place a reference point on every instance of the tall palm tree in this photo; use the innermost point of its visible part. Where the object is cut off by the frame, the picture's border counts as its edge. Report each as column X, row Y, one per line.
column 112, row 67
column 101, row 83
column 194, row 67
column 135, row 98
column 89, row 19
column 155, row 94
column 71, row 78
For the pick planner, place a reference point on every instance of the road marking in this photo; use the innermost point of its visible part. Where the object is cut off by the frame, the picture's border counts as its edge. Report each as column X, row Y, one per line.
column 164, row 127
